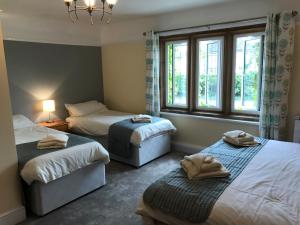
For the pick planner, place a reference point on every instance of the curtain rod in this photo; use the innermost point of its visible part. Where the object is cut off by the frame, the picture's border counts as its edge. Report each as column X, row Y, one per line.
column 294, row 13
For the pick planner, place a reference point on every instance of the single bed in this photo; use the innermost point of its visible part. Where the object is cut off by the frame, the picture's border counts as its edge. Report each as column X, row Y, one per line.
column 147, row 142
column 265, row 192
column 45, row 176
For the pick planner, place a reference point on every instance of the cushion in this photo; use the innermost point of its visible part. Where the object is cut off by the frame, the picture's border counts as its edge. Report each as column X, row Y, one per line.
column 21, row 121
column 85, row 108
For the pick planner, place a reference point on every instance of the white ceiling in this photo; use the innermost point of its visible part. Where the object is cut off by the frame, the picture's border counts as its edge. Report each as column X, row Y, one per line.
column 55, row 9
column 47, row 20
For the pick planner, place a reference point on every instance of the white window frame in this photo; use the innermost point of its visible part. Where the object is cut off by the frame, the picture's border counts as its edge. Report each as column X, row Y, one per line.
column 251, row 112
column 220, row 68
column 166, row 75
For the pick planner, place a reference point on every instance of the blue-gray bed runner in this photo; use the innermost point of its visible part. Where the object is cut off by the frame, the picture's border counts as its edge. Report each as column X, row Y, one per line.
column 28, row 151
column 119, row 136
column 193, row 200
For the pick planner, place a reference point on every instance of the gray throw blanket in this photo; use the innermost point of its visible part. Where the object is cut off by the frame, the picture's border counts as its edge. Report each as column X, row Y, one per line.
column 193, row 200
column 28, row 151
column 119, row 136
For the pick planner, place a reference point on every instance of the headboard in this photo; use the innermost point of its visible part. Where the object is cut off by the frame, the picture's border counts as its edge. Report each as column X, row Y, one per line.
column 64, row 73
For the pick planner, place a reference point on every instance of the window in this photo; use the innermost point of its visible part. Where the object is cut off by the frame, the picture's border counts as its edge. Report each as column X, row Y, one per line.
column 247, row 72
column 209, row 73
column 214, row 73
column 176, row 72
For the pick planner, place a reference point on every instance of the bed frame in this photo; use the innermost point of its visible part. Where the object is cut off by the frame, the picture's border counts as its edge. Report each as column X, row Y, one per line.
column 149, row 150
column 43, row 198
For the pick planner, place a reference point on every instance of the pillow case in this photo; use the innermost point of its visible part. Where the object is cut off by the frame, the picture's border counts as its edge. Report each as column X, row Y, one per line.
column 85, row 108
column 21, row 121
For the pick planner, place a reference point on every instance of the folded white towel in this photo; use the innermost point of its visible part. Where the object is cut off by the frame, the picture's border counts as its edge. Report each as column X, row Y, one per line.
column 53, row 141
column 199, row 165
column 51, row 146
column 141, row 119
column 62, row 138
column 222, row 172
column 235, row 134
column 239, row 138
column 241, row 144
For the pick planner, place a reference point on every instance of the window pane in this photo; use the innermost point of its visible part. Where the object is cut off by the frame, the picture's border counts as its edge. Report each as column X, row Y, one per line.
column 176, row 71
column 247, row 72
column 209, row 73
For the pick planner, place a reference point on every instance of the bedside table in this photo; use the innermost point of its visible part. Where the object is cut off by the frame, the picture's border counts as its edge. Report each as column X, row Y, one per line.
column 60, row 125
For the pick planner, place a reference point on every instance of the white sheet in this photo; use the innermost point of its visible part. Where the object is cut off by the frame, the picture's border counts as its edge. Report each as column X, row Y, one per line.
column 49, row 167
column 266, row 192
column 98, row 124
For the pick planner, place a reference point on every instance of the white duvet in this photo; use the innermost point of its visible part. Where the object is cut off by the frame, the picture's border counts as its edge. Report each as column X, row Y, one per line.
column 97, row 124
column 49, row 167
column 267, row 192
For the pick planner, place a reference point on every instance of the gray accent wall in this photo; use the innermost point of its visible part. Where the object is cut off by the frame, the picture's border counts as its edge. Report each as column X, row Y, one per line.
column 64, row 73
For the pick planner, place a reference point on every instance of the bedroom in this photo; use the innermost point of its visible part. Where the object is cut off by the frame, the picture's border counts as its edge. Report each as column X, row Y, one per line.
column 48, row 57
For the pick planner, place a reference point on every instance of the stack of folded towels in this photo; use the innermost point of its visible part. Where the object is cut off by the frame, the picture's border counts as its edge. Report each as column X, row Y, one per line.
column 239, row 138
column 141, row 119
column 53, row 141
column 203, row 166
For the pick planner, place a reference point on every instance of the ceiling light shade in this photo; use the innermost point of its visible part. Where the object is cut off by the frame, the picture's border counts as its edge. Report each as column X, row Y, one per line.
column 112, row 2
column 90, row 3
column 92, row 7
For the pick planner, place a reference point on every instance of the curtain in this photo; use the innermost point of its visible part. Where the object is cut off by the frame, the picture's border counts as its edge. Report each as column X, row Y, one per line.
column 152, row 74
column 278, row 63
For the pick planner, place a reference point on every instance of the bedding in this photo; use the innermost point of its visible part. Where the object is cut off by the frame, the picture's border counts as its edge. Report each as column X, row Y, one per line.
column 56, row 164
column 193, row 200
column 97, row 124
column 85, row 108
column 266, row 192
column 20, row 121
column 120, row 135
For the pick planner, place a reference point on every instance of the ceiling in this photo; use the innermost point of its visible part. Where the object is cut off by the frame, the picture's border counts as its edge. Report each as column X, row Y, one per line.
column 55, row 9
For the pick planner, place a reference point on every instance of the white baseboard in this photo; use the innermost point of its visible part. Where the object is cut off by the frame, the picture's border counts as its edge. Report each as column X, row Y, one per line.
column 186, row 147
column 13, row 217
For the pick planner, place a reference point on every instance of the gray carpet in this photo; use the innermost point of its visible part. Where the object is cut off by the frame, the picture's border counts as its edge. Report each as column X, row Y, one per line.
column 116, row 202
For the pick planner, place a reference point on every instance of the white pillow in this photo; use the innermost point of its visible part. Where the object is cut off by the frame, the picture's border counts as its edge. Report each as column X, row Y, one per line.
column 85, row 108
column 21, row 121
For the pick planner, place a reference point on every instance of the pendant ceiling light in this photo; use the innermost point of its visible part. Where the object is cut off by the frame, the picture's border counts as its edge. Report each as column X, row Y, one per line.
column 91, row 6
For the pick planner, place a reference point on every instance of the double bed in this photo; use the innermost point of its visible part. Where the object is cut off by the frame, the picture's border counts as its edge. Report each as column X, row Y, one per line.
column 147, row 142
column 266, row 191
column 46, row 173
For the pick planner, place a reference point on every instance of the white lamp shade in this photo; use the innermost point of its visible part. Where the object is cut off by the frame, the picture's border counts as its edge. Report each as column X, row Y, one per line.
column 49, row 106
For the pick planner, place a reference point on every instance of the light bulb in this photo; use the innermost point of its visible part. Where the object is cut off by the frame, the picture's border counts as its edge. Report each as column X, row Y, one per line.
column 90, row 3
column 68, row 2
column 111, row 2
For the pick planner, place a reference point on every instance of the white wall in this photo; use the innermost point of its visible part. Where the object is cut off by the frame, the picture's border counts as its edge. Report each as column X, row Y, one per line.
column 55, row 30
column 195, row 131
column 128, row 31
column 11, row 210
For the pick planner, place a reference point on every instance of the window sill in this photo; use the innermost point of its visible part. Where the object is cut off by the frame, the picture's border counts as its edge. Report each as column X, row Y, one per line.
column 230, row 119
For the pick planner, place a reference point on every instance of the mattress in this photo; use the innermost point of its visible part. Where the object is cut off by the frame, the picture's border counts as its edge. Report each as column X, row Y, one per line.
column 97, row 124
column 49, row 167
column 266, row 192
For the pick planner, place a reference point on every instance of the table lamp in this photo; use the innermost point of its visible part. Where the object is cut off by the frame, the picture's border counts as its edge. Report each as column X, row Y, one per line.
column 49, row 106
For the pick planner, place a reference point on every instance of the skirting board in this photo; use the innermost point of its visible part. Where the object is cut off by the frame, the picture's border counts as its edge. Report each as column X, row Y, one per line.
column 13, row 217
column 186, row 148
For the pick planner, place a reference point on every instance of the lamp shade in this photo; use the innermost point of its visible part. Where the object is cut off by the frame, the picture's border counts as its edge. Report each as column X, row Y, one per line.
column 49, row 106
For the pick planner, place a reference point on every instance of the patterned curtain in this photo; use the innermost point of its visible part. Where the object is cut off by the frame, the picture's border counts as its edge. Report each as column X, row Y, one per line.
column 152, row 74
column 278, row 56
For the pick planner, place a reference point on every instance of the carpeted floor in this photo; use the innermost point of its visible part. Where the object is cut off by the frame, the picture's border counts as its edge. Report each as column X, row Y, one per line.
column 116, row 202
